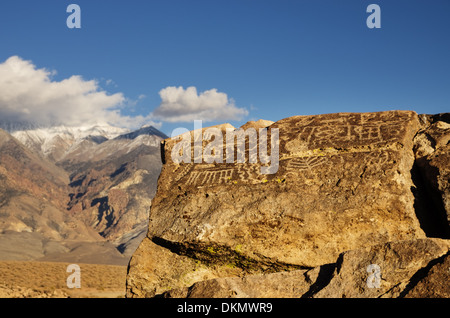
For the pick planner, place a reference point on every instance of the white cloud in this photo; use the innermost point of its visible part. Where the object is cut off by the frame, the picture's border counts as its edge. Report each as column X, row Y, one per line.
column 31, row 95
column 110, row 82
column 28, row 94
column 184, row 105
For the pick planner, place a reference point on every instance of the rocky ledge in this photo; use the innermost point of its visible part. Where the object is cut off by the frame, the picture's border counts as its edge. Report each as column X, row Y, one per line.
column 358, row 206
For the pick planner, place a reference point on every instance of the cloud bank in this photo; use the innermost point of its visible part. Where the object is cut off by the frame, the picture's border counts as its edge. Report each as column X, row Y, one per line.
column 185, row 105
column 29, row 95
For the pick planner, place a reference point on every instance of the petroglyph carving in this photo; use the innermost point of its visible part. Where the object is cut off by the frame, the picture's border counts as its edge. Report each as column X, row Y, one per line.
column 306, row 163
column 200, row 178
column 336, row 131
column 378, row 158
column 249, row 173
column 183, row 170
column 303, row 121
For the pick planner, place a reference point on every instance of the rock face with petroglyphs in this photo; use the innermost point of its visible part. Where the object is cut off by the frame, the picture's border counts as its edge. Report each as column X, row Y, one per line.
column 262, row 206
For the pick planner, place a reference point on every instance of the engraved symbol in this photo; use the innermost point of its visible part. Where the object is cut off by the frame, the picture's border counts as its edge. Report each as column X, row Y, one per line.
column 304, row 121
column 200, row 178
column 249, row 173
column 305, row 163
column 374, row 279
column 369, row 133
column 184, row 171
column 377, row 158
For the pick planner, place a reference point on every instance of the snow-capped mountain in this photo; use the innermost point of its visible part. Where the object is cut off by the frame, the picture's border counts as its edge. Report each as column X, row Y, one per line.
column 144, row 130
column 109, row 180
column 55, row 143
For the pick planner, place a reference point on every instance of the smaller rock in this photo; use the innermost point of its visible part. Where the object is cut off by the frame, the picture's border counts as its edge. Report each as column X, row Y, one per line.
column 275, row 285
column 385, row 270
column 435, row 283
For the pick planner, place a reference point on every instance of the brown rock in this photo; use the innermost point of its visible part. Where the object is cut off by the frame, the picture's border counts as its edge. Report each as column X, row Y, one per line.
column 257, row 124
column 433, row 281
column 432, row 151
column 415, row 268
column 156, row 268
column 343, row 183
column 396, row 263
column 276, row 285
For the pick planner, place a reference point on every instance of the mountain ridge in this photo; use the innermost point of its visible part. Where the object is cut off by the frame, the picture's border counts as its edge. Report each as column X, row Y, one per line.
column 34, row 223
column 107, row 179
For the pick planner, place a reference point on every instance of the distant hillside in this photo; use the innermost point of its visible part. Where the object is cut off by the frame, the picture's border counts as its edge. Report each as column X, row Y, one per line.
column 76, row 193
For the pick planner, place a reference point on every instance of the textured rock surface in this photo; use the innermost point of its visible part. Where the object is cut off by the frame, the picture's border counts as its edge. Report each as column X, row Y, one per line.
column 432, row 150
column 276, row 285
column 397, row 263
column 433, row 282
column 343, row 184
column 403, row 272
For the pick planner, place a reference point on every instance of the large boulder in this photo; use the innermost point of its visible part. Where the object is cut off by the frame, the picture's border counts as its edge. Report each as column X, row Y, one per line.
column 341, row 182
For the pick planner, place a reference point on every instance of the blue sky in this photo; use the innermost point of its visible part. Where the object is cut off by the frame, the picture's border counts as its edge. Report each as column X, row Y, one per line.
column 272, row 59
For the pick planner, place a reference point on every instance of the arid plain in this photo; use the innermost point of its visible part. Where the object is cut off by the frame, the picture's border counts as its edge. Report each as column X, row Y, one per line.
column 30, row 279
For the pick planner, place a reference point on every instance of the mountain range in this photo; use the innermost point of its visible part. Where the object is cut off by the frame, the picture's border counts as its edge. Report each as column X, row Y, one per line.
column 78, row 194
